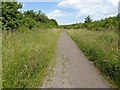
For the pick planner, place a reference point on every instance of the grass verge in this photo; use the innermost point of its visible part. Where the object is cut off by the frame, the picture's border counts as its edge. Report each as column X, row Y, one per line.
column 0, row 61
column 26, row 56
column 101, row 47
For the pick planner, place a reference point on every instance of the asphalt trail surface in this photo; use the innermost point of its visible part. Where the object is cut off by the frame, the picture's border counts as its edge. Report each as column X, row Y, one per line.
column 73, row 69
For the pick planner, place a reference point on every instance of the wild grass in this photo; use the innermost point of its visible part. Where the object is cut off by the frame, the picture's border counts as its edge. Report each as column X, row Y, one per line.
column 26, row 56
column 0, row 61
column 101, row 47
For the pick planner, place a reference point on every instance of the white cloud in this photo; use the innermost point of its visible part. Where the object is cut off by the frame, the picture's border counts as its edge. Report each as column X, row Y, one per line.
column 23, row 4
column 90, row 6
column 110, row 15
column 60, row 16
column 114, row 2
column 56, row 13
column 96, row 8
column 119, row 8
column 77, row 4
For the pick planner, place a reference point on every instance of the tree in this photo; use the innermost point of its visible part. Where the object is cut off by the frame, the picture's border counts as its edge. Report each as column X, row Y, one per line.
column 88, row 19
column 11, row 17
column 53, row 22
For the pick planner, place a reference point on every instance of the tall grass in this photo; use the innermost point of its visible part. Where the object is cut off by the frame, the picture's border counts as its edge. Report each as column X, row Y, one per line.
column 26, row 56
column 0, row 61
column 101, row 47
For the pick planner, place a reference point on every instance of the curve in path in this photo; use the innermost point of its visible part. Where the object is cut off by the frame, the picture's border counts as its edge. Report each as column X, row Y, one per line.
column 73, row 69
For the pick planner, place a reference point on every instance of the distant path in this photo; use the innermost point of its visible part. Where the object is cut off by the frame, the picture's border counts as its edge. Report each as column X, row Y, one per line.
column 73, row 70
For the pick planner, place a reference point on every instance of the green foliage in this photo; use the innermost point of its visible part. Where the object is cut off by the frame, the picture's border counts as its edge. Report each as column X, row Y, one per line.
column 26, row 56
column 29, row 22
column 110, row 23
column 101, row 47
column 12, row 18
column 38, row 19
column 88, row 19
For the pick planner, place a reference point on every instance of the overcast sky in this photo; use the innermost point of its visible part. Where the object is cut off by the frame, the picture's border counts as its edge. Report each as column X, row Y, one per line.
column 73, row 11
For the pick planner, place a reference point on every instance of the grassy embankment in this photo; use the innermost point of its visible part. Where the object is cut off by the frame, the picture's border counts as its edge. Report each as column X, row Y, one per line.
column 26, row 56
column 101, row 47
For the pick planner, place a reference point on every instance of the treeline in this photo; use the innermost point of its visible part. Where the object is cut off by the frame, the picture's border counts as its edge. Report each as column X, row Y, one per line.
column 111, row 23
column 14, row 19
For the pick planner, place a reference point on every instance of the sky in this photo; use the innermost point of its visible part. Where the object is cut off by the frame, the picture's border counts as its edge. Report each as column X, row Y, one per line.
column 73, row 11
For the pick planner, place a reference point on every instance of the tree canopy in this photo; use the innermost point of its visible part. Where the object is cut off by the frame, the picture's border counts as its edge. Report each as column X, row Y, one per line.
column 111, row 23
column 13, row 18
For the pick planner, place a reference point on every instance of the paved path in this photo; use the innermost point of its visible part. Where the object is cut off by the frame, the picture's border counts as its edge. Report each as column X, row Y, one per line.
column 73, row 69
